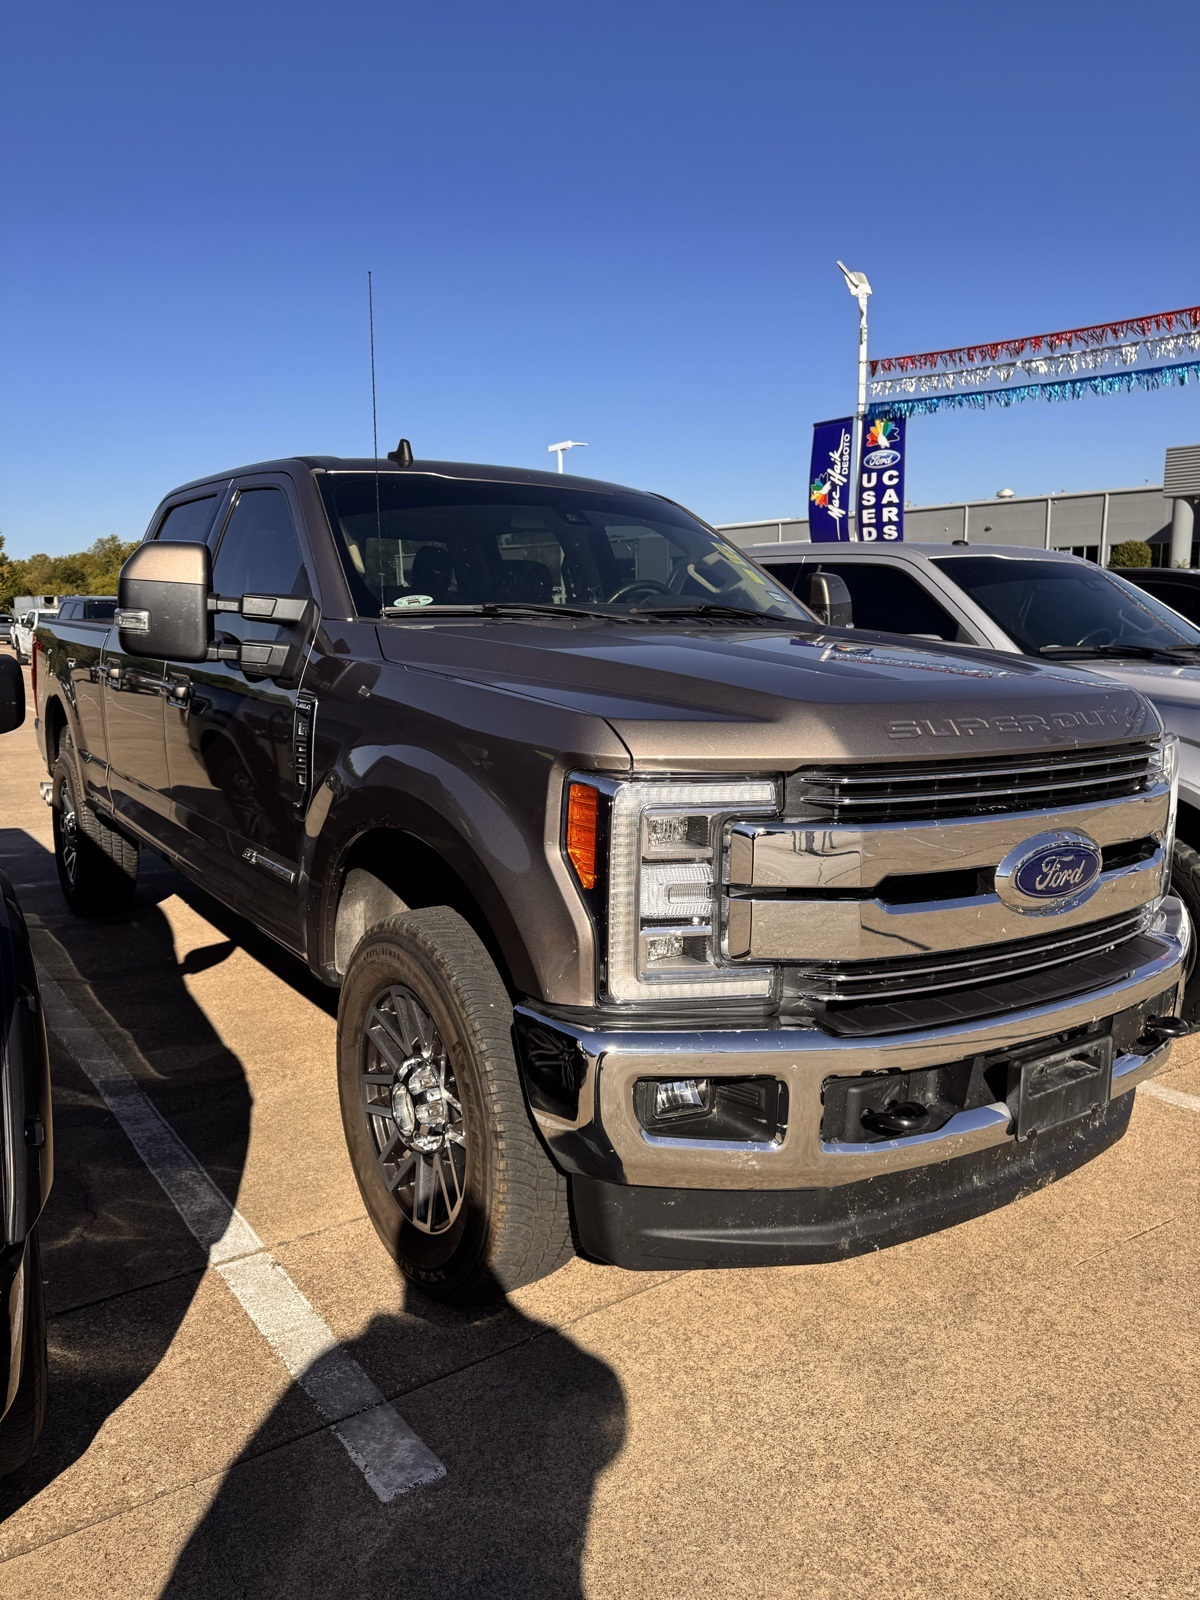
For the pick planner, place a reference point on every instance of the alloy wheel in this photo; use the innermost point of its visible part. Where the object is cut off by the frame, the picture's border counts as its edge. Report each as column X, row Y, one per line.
column 411, row 1101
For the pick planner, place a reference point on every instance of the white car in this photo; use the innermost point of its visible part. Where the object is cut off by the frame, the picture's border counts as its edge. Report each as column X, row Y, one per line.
column 24, row 629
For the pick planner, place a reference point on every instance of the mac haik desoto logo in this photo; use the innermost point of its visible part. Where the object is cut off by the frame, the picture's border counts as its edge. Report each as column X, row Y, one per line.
column 879, row 448
column 829, row 481
column 829, row 489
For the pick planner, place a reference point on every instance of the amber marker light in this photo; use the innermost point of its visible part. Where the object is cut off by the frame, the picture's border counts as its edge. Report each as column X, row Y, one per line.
column 583, row 830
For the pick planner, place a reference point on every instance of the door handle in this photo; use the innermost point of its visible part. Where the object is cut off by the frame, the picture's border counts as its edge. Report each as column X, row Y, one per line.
column 178, row 691
column 112, row 675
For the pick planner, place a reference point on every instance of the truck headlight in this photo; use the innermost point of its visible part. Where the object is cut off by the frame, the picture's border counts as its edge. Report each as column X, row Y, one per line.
column 1165, row 769
column 663, row 888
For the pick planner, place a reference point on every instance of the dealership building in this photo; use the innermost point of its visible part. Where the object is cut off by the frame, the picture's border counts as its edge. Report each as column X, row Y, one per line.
column 1087, row 524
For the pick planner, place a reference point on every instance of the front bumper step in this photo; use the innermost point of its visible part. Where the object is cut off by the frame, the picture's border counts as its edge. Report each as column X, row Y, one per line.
column 651, row 1229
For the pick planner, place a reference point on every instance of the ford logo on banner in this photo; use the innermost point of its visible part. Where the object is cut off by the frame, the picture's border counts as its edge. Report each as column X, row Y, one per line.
column 1051, row 872
column 881, row 458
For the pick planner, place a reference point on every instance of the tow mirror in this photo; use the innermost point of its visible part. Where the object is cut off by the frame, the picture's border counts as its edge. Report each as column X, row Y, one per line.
column 12, row 695
column 162, row 608
column 829, row 598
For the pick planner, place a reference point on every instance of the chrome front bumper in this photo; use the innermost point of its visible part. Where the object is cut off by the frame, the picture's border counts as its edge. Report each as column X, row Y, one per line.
column 606, row 1139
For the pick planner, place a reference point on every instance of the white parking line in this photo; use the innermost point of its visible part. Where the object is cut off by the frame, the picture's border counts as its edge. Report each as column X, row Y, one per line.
column 380, row 1443
column 1173, row 1097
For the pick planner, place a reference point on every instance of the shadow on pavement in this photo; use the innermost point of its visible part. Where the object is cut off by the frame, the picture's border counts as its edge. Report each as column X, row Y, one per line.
column 524, row 1433
column 121, row 1267
column 524, row 1420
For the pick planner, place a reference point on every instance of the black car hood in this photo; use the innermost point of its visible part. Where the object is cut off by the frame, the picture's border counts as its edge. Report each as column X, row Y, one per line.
column 729, row 698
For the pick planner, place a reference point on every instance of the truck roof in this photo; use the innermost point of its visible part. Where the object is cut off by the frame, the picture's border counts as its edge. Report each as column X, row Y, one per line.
column 439, row 469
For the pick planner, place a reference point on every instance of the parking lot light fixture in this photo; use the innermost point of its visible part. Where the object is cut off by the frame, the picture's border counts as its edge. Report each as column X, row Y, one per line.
column 564, row 445
column 858, row 286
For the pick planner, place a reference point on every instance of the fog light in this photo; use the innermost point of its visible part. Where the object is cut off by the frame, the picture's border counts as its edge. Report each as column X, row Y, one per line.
column 681, row 1094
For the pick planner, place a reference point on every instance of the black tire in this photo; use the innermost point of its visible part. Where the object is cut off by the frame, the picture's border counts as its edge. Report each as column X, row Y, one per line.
column 1185, row 882
column 512, row 1224
column 97, row 865
column 22, row 1423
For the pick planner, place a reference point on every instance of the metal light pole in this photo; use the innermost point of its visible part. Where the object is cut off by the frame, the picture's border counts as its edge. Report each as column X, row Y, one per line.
column 566, row 444
column 858, row 286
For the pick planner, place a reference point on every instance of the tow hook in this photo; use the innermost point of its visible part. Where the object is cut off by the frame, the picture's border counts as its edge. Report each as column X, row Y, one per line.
column 1160, row 1030
column 46, row 790
column 901, row 1117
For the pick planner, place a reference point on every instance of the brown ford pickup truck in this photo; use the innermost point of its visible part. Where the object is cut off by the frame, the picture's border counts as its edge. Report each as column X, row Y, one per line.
column 671, row 924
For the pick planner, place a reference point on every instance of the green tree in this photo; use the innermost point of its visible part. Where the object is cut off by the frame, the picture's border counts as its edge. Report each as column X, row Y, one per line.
column 90, row 571
column 1131, row 553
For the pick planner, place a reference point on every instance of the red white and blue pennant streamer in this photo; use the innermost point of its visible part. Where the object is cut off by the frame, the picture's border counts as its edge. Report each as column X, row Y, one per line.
column 1146, row 378
column 1100, row 333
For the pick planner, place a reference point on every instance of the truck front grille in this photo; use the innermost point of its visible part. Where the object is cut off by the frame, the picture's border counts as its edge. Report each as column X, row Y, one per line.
column 978, row 787
column 915, row 992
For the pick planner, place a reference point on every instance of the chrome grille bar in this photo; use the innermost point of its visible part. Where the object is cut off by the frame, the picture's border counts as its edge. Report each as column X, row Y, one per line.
column 969, row 787
column 884, row 981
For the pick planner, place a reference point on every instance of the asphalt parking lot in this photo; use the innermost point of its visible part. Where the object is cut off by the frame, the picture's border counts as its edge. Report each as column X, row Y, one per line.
column 1005, row 1409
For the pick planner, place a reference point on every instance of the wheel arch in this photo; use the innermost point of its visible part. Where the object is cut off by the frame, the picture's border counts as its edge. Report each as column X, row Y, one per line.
column 384, row 869
column 56, row 723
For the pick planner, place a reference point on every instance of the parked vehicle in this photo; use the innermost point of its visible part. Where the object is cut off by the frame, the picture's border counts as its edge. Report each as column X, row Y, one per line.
column 6, row 628
column 25, row 628
column 88, row 608
column 665, row 918
column 26, row 1157
column 1177, row 587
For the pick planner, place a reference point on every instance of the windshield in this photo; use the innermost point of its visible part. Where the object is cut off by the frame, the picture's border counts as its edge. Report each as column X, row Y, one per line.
column 1069, row 605
column 443, row 542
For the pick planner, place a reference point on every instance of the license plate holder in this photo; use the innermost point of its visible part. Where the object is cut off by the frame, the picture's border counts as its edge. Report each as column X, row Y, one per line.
column 1063, row 1086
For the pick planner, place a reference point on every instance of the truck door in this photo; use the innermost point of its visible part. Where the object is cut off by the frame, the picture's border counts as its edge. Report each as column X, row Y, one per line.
column 133, row 696
column 229, row 737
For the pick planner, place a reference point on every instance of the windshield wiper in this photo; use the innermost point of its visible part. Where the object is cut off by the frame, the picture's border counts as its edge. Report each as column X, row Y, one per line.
column 715, row 609
column 1140, row 652
column 501, row 608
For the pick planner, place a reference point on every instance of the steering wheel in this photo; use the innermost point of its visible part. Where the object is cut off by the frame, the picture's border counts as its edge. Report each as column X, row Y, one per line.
column 1091, row 638
column 649, row 586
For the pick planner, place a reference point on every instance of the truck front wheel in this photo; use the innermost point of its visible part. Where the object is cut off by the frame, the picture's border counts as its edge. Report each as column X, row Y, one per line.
column 452, row 1173
column 97, row 866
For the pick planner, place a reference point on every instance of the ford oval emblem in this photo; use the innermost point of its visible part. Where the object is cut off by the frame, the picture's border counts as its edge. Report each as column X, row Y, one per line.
column 1052, row 872
column 881, row 458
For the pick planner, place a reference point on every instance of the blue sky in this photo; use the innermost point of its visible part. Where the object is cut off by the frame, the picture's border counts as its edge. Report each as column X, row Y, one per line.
column 615, row 223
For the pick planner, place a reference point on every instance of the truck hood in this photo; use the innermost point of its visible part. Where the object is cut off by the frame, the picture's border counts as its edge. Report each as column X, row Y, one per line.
column 728, row 698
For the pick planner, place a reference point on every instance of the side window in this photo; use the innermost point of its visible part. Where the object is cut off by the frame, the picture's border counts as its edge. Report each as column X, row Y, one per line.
column 891, row 601
column 259, row 553
column 190, row 522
